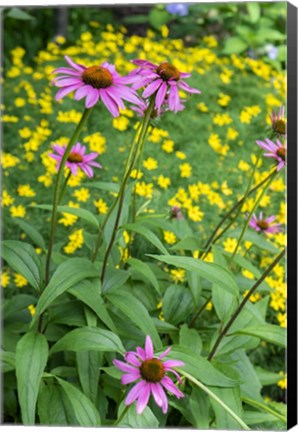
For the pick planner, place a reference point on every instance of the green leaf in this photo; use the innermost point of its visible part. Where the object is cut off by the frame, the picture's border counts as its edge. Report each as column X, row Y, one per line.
column 9, row 361
column 89, row 339
column 210, row 271
column 136, row 19
column 24, row 260
column 67, row 275
column 107, row 186
column 177, row 304
column 149, row 235
column 256, row 239
column 16, row 304
column 189, row 243
column 234, row 45
column 231, row 397
column 19, row 14
column 268, row 332
column 144, row 269
column 200, row 368
column 115, row 278
column 31, row 359
column 82, row 213
column 267, row 377
column 189, row 337
column 158, row 18
column 199, row 406
column 89, row 294
column 255, row 417
column 32, row 233
column 54, row 407
column 133, row 420
column 224, row 302
column 254, row 11
column 85, row 411
column 88, row 364
column 136, row 312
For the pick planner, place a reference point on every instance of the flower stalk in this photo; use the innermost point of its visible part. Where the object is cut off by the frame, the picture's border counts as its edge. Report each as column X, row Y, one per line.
column 243, row 303
column 57, row 193
column 129, row 168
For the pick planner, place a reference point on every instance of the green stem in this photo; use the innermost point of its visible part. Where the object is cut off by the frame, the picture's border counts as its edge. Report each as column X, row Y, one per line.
column 101, row 230
column 213, row 396
column 74, row 137
column 64, row 186
column 263, row 407
column 209, row 242
column 124, row 412
column 139, row 144
column 191, row 324
column 257, row 202
column 243, row 303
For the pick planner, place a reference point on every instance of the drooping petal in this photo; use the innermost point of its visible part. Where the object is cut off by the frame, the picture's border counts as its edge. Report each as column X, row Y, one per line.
column 134, row 393
column 149, row 351
column 187, row 88
column 109, row 103
column 87, row 170
column 143, row 398
column 82, row 92
column 152, row 88
column 163, row 397
column 160, row 97
column 67, row 82
column 92, row 98
column 156, row 393
column 170, row 386
column 64, row 91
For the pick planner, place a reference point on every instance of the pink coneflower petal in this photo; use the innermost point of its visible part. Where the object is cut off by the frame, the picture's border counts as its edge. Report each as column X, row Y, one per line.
column 172, row 363
column 94, row 83
column 124, row 366
column 151, row 371
column 166, row 352
column 129, row 378
column 87, row 170
column 130, row 357
column 143, row 398
column 65, row 91
column 134, row 392
column 74, row 65
column 160, row 96
column 170, row 386
column 270, row 219
column 109, row 103
column 149, row 351
column 152, row 88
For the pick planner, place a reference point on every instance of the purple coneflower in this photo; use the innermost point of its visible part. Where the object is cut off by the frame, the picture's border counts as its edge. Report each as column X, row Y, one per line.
column 94, row 83
column 176, row 213
column 151, row 371
column 279, row 121
column 276, row 151
column 264, row 225
column 164, row 79
column 76, row 159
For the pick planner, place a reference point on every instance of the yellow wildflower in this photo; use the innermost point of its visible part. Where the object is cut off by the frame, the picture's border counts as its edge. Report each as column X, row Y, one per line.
column 136, row 174
column 82, row 194
column 6, row 199
column 169, row 237
column 19, row 280
column 180, row 155
column 101, row 206
column 223, row 99
column 76, row 241
column 243, row 166
column 230, row 244
column 31, row 309
column 26, row 191
column 4, row 279
column 163, row 182
column 150, row 164
column 168, row 146
column 185, row 170
column 195, row 214
column 18, row 211
column 177, row 275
